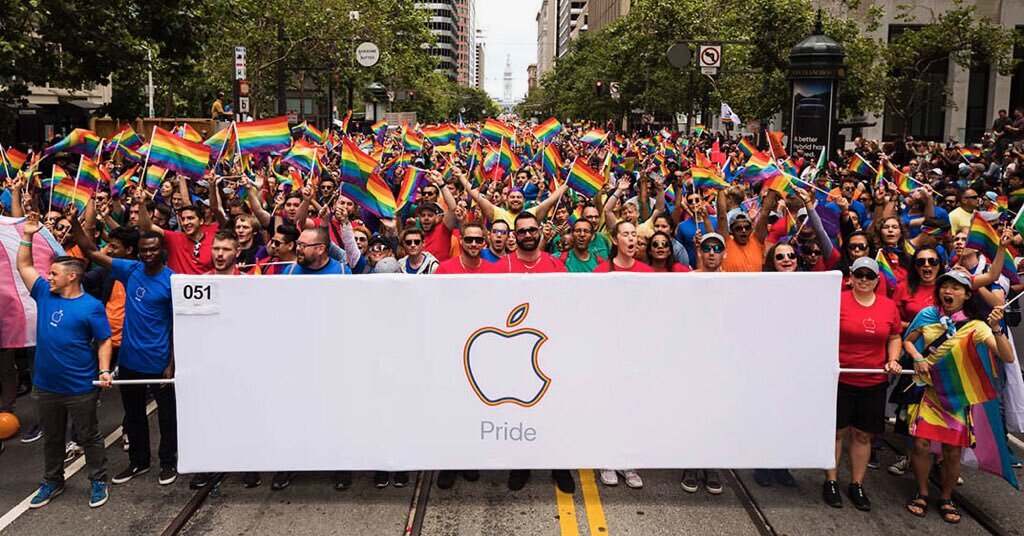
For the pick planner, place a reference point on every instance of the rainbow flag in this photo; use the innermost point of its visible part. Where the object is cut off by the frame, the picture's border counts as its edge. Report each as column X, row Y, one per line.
column 495, row 130
column 983, row 237
column 185, row 131
column 780, row 183
column 698, row 129
column 154, row 176
column 747, row 147
column 1017, row 195
column 990, row 453
column 303, row 155
column 264, row 136
column 1002, row 203
column 345, row 120
column 414, row 176
column 707, row 178
column 970, row 153
column 507, row 159
column 63, row 194
column 904, row 183
column 380, row 129
column 131, row 154
column 376, row 197
column 547, row 130
column 56, row 176
column 221, row 144
column 937, row 232
column 585, row 179
column 885, row 269
column 121, row 184
column 411, row 141
column 439, row 135
column 961, row 378
column 124, row 137
column 552, row 162
column 356, row 166
column 177, row 154
column 859, row 166
column 760, row 168
column 879, row 175
column 309, row 131
column 79, row 141
column 89, row 176
column 11, row 162
column 594, row 137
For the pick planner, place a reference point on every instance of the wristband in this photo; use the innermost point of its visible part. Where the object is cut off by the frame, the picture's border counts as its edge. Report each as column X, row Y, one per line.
column 994, row 332
column 104, row 371
column 922, row 360
column 24, row 243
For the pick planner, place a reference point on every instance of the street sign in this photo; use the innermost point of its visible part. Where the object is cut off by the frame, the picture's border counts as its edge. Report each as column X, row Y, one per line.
column 243, row 105
column 293, row 116
column 711, row 71
column 613, row 89
column 367, row 54
column 243, row 88
column 391, row 96
column 679, row 55
column 709, row 56
column 240, row 73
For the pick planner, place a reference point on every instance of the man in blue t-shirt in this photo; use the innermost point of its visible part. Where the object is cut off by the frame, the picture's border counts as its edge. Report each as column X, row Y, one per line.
column 68, row 323
column 145, row 353
column 311, row 256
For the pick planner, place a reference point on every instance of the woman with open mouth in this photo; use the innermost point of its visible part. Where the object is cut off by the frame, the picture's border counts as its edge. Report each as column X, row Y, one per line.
column 890, row 236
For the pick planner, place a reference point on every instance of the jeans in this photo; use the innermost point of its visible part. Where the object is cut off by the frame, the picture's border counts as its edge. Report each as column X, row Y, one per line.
column 54, row 410
column 8, row 381
column 136, row 423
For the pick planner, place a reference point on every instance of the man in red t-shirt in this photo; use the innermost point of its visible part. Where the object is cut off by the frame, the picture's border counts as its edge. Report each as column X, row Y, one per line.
column 437, row 223
column 528, row 258
column 469, row 262
column 189, row 251
column 225, row 252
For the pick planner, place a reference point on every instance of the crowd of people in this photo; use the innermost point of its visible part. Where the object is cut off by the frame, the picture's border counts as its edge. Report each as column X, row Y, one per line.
column 903, row 253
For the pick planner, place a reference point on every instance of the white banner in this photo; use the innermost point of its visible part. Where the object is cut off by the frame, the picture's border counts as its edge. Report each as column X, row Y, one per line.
column 393, row 372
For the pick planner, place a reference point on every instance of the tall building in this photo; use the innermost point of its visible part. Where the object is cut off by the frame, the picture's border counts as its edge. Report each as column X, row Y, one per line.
column 481, row 62
column 507, row 93
column 976, row 94
column 547, row 36
column 453, row 24
column 601, row 13
column 570, row 14
column 531, row 78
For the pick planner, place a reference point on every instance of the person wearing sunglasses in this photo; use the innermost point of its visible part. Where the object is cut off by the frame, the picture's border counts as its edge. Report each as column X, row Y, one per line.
column 624, row 249
column 497, row 240
column 745, row 238
column 660, row 256
column 960, row 218
column 781, row 257
column 692, row 216
column 869, row 337
column 311, row 256
column 416, row 260
column 469, row 261
column 280, row 251
column 515, row 201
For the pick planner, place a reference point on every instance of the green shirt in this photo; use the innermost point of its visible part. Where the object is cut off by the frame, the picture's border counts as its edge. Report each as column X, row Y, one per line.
column 574, row 265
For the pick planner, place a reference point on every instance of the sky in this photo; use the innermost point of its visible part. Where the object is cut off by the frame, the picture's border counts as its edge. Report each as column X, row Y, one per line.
column 510, row 29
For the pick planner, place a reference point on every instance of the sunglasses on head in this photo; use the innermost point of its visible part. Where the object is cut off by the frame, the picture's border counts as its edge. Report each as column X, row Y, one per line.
column 708, row 248
column 780, row 256
column 473, row 239
column 926, row 261
column 865, row 274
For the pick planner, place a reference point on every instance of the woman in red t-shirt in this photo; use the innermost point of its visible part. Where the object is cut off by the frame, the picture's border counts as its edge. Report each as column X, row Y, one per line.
column 781, row 257
column 890, row 236
column 869, row 338
column 659, row 254
column 918, row 291
column 624, row 249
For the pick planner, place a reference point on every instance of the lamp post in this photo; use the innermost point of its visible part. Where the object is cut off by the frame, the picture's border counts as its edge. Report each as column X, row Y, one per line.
column 815, row 70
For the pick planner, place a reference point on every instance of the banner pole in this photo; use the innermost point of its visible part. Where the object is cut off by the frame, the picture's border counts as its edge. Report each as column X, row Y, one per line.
column 163, row 381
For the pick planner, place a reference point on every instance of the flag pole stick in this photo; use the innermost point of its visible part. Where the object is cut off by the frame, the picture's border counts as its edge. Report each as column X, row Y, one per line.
column 163, row 381
column 811, row 184
column 145, row 164
column 873, row 371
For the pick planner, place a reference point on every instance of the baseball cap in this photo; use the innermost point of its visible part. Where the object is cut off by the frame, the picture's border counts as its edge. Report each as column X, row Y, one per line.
column 378, row 239
column 955, row 275
column 202, row 183
column 865, row 262
column 387, row 265
column 712, row 236
column 432, row 206
column 937, row 171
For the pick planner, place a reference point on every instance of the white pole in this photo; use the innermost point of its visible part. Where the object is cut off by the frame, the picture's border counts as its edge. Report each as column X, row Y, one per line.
column 139, row 382
column 149, row 56
column 871, row 371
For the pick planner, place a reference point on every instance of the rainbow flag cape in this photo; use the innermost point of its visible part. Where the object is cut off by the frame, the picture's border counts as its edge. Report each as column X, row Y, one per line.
column 547, row 130
column 707, row 178
column 154, row 176
column 411, row 141
column 376, row 197
column 885, row 269
column 594, row 137
column 439, row 135
column 495, row 130
column 121, row 184
column 747, row 147
column 859, row 166
column 264, row 136
column 80, row 141
column 185, row 131
column 970, row 153
column 56, row 176
column 356, row 166
column 414, row 176
column 962, row 378
column 585, row 179
column 551, row 161
column 177, row 154
column 221, row 144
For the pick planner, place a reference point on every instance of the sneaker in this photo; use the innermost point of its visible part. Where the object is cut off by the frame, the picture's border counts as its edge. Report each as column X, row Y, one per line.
column 712, row 482
column 471, row 475
column 251, row 480
column 99, row 494
column 400, row 479
column 200, row 480
column 381, row 479
column 282, row 479
column 830, row 494
column 691, row 481
column 563, row 478
column 342, row 480
column 609, row 477
column 128, row 474
column 763, row 477
column 959, row 481
column 72, row 451
column 873, row 460
column 860, row 500
column 32, row 435
column 784, row 477
column 900, row 466
column 124, row 445
column 47, row 491
column 517, row 479
column 167, row 476
column 446, row 479
column 633, row 479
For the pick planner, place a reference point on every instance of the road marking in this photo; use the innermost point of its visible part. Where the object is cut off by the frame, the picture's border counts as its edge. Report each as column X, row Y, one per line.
column 592, row 500
column 566, row 513
column 69, row 471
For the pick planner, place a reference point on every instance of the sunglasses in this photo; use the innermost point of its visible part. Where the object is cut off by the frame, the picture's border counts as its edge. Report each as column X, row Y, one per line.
column 970, row 197
column 863, row 274
column 377, row 248
column 780, row 256
column 859, row 247
column 659, row 244
column 499, row 232
column 473, row 239
column 195, row 249
column 527, row 231
column 708, row 248
column 926, row 261
column 413, row 242
column 742, row 229
column 62, row 228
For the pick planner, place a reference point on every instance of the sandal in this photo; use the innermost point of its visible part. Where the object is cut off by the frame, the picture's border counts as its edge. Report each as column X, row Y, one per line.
column 920, row 502
column 947, row 510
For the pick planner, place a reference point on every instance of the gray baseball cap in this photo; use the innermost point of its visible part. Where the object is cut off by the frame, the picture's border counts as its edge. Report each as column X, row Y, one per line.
column 955, row 275
column 865, row 262
column 712, row 236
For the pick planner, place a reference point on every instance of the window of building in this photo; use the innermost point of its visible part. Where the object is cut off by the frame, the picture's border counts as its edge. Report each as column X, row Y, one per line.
column 977, row 103
column 929, row 120
column 1017, row 80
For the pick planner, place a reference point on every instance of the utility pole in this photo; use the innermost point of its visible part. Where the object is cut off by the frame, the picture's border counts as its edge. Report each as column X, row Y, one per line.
column 282, row 92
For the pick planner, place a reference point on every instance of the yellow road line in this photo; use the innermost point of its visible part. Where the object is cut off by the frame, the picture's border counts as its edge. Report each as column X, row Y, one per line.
column 566, row 514
column 592, row 500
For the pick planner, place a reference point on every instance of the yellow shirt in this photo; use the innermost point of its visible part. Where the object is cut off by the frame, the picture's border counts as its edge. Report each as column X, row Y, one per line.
column 959, row 219
column 217, row 109
column 504, row 215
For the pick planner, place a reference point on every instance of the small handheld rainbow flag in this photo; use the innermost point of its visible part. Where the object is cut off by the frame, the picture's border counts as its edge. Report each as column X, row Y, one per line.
column 982, row 237
column 412, row 141
column 585, row 179
column 760, row 168
column 380, row 128
column 439, row 135
column 177, row 154
column 698, row 129
column 124, row 137
column 904, row 183
column 345, row 121
column 780, row 183
column 961, row 378
column 707, row 178
column 970, row 153
column 56, row 176
column 1017, row 195
column 154, row 176
column 859, row 166
column 312, row 133
column 264, row 136
column 11, row 162
column 552, row 162
column 63, row 194
column 221, row 144
column 121, row 184
column 356, row 166
column 886, row 269
column 80, row 141
column 547, row 130
column 594, row 137
column 495, row 130
column 185, row 131
column 303, row 155
column 89, row 176
column 376, row 197
column 747, row 147
column 937, row 232
column 414, row 176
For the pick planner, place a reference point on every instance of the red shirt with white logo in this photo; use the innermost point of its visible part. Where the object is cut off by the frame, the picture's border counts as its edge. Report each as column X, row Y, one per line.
column 863, row 335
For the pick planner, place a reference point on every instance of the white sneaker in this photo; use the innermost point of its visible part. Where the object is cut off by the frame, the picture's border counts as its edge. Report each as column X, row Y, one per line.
column 125, row 445
column 633, row 479
column 609, row 477
column 72, row 451
column 900, row 466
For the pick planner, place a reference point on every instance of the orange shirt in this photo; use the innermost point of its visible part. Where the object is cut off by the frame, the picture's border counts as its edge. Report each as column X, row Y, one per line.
column 115, row 312
column 748, row 258
column 75, row 251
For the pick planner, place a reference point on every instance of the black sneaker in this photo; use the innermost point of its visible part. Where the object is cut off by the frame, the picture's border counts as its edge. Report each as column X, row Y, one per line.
column 446, row 479
column 381, row 479
column 400, row 479
column 873, row 461
column 251, row 480
column 200, row 480
column 564, row 480
column 690, row 481
column 830, row 494
column 32, row 435
column 517, row 479
column 471, row 475
column 342, row 480
column 167, row 476
column 282, row 479
column 860, row 500
column 131, row 472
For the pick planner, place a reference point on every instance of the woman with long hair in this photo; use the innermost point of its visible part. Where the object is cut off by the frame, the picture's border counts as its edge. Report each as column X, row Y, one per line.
column 622, row 257
column 660, row 256
column 889, row 236
column 781, row 257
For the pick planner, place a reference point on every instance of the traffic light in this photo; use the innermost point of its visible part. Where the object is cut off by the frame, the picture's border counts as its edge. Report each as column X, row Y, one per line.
column 599, row 88
column 412, row 95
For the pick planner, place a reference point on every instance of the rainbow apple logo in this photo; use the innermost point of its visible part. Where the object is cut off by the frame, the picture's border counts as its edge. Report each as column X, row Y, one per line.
column 502, row 365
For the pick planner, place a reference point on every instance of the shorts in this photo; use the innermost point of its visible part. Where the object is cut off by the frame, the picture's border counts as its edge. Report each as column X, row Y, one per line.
column 861, row 407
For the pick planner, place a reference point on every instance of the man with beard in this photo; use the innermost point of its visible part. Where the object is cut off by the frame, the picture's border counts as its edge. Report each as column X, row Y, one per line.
column 437, row 231
column 311, row 256
column 469, row 262
column 188, row 251
column 516, row 202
